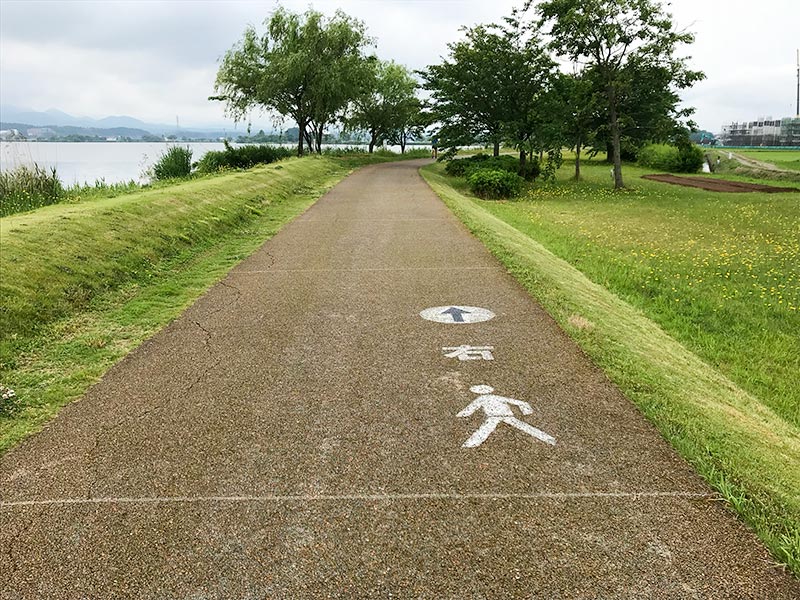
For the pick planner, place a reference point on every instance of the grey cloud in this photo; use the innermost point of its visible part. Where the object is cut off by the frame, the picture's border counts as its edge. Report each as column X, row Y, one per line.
column 157, row 59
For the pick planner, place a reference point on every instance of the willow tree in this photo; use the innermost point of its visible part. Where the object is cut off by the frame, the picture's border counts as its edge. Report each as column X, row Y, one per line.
column 612, row 37
column 305, row 66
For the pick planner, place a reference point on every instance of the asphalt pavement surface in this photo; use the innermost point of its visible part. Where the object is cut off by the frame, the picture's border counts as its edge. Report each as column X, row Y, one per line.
column 303, row 432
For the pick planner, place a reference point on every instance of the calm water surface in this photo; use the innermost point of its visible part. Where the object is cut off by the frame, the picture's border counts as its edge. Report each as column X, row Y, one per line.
column 86, row 162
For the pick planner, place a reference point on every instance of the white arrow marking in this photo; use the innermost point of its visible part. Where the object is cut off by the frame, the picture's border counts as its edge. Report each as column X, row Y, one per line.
column 457, row 314
column 497, row 410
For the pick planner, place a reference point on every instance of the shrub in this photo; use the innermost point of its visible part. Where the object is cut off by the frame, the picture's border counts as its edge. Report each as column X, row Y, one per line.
column 685, row 158
column 28, row 187
column 690, row 158
column 241, row 157
column 497, row 163
column 467, row 166
column 457, row 168
column 530, row 170
column 339, row 151
column 658, row 156
column 175, row 162
column 494, row 183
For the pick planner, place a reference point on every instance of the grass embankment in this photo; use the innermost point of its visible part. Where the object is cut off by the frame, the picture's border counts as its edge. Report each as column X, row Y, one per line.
column 83, row 284
column 783, row 159
column 785, row 164
column 689, row 302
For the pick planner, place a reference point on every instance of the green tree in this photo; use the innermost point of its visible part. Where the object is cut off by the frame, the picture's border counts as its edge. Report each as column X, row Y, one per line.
column 649, row 105
column 410, row 123
column 305, row 66
column 467, row 90
column 579, row 112
column 613, row 38
column 528, row 92
column 385, row 108
column 492, row 88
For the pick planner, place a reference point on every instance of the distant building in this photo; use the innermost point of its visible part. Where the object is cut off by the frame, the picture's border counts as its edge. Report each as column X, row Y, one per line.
column 40, row 132
column 764, row 132
column 11, row 134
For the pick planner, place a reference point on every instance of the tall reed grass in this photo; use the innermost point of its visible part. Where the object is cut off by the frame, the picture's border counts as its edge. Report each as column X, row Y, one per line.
column 26, row 187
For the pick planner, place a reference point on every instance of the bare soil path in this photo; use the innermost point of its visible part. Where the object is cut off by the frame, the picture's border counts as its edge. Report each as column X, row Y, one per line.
column 758, row 164
column 300, row 432
column 719, row 185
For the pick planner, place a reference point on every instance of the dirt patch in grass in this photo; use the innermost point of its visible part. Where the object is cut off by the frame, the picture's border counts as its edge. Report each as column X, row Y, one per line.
column 719, row 185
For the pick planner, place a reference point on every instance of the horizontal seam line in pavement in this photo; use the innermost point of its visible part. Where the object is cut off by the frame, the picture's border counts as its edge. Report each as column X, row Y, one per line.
column 354, row 497
column 369, row 220
column 245, row 272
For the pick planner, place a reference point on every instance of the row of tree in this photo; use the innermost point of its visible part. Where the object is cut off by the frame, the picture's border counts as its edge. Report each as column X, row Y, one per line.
column 316, row 71
column 501, row 84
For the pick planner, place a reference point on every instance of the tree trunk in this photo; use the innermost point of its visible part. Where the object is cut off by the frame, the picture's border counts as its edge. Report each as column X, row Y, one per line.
column 316, row 137
column 403, row 141
column 496, row 149
column 578, row 159
column 615, row 142
column 523, row 158
column 309, row 143
column 372, row 139
column 300, row 137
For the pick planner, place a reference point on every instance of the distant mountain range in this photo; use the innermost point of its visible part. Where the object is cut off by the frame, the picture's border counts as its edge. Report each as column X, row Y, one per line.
column 53, row 118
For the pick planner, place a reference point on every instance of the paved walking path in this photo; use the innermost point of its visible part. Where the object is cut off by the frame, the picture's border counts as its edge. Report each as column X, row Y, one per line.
column 300, row 432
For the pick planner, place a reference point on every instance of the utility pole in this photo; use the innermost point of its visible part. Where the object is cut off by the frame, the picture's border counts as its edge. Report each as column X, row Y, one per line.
column 798, row 82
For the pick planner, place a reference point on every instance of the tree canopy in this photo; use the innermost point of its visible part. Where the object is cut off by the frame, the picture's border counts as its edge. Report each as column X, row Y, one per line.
column 499, row 84
column 474, row 90
column 620, row 41
column 305, row 66
column 387, row 108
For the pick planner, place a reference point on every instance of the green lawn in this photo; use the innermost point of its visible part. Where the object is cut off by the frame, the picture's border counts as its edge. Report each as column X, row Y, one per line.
column 719, row 272
column 83, row 284
column 691, row 300
column 784, row 159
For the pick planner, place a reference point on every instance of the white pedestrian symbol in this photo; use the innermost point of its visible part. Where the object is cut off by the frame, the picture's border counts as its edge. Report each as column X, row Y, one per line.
column 469, row 352
column 498, row 409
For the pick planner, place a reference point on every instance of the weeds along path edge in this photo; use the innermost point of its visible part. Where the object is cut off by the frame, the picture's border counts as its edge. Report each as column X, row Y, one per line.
column 743, row 450
column 62, row 357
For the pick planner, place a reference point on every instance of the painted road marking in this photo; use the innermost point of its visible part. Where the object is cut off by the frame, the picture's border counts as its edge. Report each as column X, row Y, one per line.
column 457, row 314
column 469, row 352
column 498, row 410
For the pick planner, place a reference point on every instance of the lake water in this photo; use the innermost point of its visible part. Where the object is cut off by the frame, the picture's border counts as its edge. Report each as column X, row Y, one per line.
column 86, row 162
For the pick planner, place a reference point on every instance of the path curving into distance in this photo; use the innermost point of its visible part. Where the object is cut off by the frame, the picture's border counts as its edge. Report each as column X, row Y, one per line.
column 303, row 432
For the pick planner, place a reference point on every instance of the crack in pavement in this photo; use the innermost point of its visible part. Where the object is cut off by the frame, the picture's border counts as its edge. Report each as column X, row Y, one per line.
column 108, row 429
column 238, row 297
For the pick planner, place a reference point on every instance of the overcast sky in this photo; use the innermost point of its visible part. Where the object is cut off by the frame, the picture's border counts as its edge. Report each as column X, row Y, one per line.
column 155, row 60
